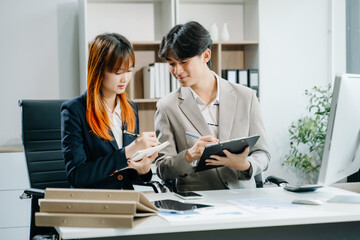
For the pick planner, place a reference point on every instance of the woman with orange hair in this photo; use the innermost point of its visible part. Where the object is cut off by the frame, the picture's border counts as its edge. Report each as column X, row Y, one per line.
column 94, row 144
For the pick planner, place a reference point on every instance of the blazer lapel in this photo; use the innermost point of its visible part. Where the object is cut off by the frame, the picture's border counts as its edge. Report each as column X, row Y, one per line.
column 190, row 109
column 227, row 108
column 126, row 138
column 113, row 142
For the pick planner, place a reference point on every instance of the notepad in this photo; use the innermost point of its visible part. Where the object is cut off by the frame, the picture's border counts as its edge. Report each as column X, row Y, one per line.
column 234, row 146
column 148, row 152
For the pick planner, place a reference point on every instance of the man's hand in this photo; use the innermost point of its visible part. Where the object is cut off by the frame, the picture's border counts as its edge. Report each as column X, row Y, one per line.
column 195, row 152
column 238, row 162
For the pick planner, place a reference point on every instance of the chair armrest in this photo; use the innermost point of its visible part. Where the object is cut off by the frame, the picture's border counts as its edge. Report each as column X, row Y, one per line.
column 276, row 180
column 157, row 186
column 33, row 193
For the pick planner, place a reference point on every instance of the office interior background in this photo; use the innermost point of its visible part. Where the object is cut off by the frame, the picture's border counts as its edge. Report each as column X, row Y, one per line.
column 301, row 44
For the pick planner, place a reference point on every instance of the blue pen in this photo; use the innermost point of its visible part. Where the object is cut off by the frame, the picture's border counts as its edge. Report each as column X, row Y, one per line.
column 193, row 135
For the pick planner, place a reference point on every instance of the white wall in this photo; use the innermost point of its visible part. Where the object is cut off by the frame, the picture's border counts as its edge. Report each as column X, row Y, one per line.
column 234, row 17
column 295, row 54
column 39, row 57
column 114, row 17
column 338, row 37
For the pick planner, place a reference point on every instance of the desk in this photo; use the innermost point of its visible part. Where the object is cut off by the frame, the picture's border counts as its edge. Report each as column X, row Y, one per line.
column 328, row 221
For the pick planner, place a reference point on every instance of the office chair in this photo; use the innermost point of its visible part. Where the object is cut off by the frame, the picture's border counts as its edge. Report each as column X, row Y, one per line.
column 41, row 137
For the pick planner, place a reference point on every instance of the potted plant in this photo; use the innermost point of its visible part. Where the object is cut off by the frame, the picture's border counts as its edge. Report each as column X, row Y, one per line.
column 307, row 135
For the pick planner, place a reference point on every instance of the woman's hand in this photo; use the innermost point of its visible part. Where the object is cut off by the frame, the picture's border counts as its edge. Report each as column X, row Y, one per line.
column 238, row 162
column 195, row 152
column 143, row 166
column 144, row 141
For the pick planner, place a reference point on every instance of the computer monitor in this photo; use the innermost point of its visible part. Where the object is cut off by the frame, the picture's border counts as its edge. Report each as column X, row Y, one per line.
column 341, row 156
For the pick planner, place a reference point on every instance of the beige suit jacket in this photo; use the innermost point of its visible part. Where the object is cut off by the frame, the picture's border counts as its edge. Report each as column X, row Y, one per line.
column 239, row 116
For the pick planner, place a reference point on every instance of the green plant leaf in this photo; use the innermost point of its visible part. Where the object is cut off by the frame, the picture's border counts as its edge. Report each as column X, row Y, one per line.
column 307, row 134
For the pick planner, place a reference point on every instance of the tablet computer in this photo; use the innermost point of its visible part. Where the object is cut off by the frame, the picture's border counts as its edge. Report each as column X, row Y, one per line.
column 234, row 146
column 169, row 205
column 302, row 188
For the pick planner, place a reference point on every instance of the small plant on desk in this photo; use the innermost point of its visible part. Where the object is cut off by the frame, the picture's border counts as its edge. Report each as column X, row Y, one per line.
column 307, row 134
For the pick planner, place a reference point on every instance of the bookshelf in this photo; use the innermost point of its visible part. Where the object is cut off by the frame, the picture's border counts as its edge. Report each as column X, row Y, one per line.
column 157, row 17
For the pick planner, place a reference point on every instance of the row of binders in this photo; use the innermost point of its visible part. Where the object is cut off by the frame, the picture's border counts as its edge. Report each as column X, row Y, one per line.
column 158, row 81
column 246, row 77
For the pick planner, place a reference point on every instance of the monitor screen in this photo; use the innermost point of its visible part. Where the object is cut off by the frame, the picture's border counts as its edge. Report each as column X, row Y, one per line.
column 341, row 156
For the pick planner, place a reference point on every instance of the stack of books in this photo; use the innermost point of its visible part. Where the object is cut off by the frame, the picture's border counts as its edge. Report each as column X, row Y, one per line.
column 158, row 81
column 93, row 208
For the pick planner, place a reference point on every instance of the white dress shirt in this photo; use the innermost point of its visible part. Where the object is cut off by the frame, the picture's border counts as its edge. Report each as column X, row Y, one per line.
column 210, row 112
column 116, row 123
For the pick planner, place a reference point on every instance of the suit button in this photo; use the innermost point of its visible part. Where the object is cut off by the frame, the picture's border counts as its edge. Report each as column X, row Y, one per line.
column 120, row 177
column 226, row 183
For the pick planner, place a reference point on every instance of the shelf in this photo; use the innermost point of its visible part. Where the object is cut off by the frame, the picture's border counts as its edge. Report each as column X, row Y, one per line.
column 212, row 1
column 238, row 43
column 124, row 1
column 146, row 43
column 141, row 100
column 12, row 148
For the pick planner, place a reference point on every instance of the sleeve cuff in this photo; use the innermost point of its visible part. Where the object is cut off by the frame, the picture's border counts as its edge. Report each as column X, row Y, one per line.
column 247, row 173
column 146, row 177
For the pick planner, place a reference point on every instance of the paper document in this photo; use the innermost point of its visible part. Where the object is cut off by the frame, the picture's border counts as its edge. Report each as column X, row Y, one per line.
column 260, row 205
column 150, row 151
column 205, row 215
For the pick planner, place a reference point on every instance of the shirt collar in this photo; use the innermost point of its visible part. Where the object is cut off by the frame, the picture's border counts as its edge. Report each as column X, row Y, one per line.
column 117, row 109
column 216, row 100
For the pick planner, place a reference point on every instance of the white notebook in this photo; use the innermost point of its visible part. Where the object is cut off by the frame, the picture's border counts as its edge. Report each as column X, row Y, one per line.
column 150, row 151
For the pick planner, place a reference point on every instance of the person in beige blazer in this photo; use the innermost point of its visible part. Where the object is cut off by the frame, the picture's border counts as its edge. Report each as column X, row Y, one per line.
column 208, row 106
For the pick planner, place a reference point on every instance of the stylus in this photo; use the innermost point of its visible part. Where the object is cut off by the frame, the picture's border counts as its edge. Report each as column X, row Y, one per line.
column 192, row 135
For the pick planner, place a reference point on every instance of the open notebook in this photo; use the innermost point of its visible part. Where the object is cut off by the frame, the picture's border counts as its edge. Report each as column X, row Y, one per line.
column 148, row 152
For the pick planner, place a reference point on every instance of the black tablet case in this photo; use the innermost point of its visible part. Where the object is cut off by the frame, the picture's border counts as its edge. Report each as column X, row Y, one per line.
column 234, row 146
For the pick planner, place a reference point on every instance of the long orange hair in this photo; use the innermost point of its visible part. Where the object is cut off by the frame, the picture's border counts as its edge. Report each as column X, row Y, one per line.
column 108, row 52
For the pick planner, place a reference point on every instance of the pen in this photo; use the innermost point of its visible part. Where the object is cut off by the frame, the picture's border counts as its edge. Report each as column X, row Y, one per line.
column 131, row 133
column 192, row 135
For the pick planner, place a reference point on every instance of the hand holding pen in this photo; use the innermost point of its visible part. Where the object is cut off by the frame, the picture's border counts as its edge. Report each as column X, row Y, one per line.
column 143, row 141
column 195, row 152
column 131, row 133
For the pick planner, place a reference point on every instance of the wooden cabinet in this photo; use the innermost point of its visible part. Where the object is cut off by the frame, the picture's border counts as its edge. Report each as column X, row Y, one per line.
column 144, row 22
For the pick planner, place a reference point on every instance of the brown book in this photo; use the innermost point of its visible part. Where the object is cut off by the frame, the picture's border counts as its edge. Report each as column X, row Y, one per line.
column 97, row 194
column 93, row 208
column 86, row 220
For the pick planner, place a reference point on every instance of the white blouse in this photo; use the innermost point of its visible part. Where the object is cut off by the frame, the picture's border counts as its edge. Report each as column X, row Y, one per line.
column 116, row 123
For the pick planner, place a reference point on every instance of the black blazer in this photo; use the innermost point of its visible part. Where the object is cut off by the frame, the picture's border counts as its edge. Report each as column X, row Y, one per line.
column 89, row 160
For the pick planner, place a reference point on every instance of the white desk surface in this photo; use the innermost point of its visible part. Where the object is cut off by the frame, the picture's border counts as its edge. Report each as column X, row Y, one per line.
column 326, row 213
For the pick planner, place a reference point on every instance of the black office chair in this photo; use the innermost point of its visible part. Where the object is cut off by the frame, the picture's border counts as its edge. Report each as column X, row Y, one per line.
column 41, row 136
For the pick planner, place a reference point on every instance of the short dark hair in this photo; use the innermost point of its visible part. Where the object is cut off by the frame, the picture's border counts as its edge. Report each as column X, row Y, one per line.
column 185, row 41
